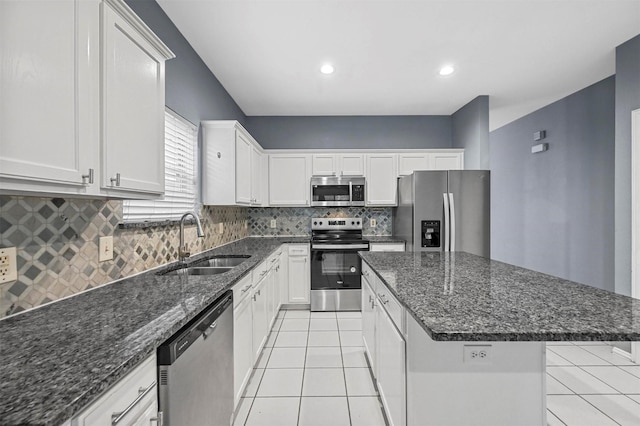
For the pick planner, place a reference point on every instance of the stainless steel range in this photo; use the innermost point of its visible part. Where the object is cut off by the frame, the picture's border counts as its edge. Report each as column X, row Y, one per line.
column 335, row 264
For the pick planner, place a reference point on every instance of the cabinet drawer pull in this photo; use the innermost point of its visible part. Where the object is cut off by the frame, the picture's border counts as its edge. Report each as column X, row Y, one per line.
column 88, row 178
column 116, row 180
column 142, row 392
column 159, row 419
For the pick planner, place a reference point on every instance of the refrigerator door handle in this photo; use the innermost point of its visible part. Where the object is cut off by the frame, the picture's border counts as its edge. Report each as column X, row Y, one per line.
column 452, row 223
column 445, row 228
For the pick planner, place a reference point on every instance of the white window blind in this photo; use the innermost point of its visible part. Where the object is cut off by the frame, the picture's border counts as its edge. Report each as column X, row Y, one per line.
column 180, row 151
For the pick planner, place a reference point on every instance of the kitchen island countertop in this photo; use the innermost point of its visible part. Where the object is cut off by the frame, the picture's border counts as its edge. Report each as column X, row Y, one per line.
column 459, row 297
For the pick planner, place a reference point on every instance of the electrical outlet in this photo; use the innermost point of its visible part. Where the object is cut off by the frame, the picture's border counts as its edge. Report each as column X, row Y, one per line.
column 373, row 223
column 8, row 269
column 220, row 228
column 273, row 223
column 477, row 354
column 105, row 249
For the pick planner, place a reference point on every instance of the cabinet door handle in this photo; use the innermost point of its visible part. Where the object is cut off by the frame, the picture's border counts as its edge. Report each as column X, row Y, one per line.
column 142, row 392
column 88, row 178
column 159, row 419
column 116, row 180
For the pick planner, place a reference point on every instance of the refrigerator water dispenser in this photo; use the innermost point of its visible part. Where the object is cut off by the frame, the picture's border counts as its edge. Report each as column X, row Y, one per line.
column 430, row 233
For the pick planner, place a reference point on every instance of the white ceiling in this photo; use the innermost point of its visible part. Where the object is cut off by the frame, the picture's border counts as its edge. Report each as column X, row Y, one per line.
column 524, row 54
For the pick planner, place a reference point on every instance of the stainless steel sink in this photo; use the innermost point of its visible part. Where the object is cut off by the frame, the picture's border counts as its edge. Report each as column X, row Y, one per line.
column 222, row 262
column 213, row 266
column 201, row 270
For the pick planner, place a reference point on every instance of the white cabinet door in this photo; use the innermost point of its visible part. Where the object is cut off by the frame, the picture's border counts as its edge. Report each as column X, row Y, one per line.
column 351, row 164
column 386, row 247
column 244, row 155
column 133, row 108
column 47, row 129
column 243, row 355
column 390, row 358
column 324, row 165
column 256, row 177
column 369, row 323
column 410, row 162
column 259, row 310
column 446, row 161
column 299, row 278
column 382, row 179
column 289, row 179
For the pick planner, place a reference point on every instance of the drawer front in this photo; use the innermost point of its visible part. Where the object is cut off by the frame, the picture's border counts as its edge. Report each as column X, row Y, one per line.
column 386, row 247
column 298, row 249
column 241, row 290
column 141, row 382
column 391, row 305
column 260, row 271
column 370, row 276
column 273, row 259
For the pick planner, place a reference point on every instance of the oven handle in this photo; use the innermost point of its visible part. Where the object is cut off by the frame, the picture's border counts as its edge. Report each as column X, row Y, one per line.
column 339, row 246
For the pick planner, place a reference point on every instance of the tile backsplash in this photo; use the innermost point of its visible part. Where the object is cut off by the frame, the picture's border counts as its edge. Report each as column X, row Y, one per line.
column 296, row 220
column 57, row 245
column 57, row 241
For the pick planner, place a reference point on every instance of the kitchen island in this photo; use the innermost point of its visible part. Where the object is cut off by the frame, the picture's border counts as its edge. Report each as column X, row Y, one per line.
column 474, row 331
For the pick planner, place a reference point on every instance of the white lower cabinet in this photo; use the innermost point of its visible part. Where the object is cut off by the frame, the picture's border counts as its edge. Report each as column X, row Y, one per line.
column 386, row 246
column 259, row 308
column 131, row 401
column 391, row 373
column 242, row 335
column 299, row 280
column 384, row 345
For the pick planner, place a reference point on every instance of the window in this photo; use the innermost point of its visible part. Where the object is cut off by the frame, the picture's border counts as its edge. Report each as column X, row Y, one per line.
column 180, row 152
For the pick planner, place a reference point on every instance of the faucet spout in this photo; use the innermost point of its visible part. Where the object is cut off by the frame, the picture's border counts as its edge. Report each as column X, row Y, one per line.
column 182, row 250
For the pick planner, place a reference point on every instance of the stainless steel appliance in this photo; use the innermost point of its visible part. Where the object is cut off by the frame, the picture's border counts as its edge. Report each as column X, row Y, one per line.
column 195, row 369
column 444, row 211
column 335, row 264
column 334, row 191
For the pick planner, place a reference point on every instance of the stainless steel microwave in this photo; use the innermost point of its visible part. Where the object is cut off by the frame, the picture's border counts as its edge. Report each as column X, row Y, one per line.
column 334, row 191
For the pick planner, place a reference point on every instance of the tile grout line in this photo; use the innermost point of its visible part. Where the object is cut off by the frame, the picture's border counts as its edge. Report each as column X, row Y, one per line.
column 304, row 370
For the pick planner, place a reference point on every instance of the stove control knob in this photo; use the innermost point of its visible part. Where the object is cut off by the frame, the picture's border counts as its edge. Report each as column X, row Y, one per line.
column 353, row 223
column 358, row 223
column 315, row 223
column 320, row 222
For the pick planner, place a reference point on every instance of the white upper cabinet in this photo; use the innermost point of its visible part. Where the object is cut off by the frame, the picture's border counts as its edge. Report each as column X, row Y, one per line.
column 48, row 83
column 69, row 126
column 231, row 165
column 446, row 161
column 382, row 182
column 132, row 103
column 408, row 162
column 289, row 179
column 347, row 164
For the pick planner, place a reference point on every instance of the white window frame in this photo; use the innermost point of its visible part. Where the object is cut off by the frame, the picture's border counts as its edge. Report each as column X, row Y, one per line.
column 181, row 176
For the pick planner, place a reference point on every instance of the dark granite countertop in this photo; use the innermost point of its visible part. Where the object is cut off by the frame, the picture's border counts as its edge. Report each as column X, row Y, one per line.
column 460, row 296
column 59, row 358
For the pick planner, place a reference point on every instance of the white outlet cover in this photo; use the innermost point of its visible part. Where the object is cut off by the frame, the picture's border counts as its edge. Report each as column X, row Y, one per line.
column 220, row 228
column 477, row 354
column 373, row 223
column 105, row 249
column 8, row 269
column 273, row 223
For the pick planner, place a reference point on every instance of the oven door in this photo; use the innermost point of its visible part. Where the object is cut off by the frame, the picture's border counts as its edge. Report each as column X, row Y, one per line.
column 336, row 266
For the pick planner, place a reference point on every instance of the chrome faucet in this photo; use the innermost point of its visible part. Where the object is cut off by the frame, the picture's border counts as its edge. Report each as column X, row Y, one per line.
column 182, row 250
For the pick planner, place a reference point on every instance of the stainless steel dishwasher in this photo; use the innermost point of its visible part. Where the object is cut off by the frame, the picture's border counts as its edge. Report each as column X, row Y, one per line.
column 195, row 370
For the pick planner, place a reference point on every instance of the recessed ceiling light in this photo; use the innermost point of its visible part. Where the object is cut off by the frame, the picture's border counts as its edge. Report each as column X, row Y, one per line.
column 327, row 69
column 447, row 70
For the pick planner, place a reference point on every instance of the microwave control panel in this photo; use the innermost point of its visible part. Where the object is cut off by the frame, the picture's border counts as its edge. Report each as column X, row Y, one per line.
column 430, row 233
column 357, row 193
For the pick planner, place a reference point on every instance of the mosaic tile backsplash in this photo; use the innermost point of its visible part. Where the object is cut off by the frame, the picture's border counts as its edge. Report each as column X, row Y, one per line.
column 296, row 220
column 57, row 245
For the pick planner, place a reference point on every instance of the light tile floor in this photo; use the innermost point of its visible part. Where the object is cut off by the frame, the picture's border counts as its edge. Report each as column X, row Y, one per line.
column 312, row 371
column 588, row 384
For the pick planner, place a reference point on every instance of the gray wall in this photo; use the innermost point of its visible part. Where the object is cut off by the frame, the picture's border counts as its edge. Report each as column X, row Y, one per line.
column 191, row 89
column 553, row 212
column 470, row 130
column 627, row 100
column 337, row 132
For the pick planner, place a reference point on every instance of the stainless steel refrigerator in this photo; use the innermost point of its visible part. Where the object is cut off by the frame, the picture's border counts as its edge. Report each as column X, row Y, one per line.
column 444, row 211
